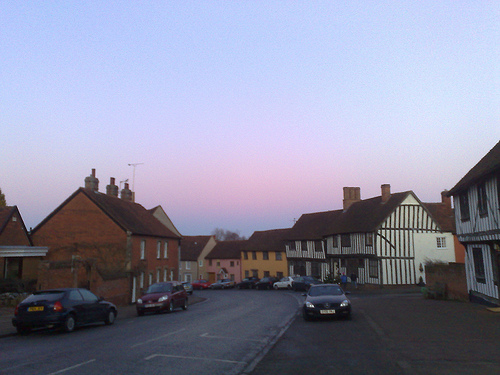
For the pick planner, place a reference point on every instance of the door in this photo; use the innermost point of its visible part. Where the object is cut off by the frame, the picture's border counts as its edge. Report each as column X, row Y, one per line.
column 94, row 310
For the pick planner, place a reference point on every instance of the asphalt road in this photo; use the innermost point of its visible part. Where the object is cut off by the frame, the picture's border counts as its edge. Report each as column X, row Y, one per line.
column 223, row 335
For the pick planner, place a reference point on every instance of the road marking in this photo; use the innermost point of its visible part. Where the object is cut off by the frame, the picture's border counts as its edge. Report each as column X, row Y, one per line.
column 158, row 338
column 208, row 336
column 193, row 358
column 72, row 367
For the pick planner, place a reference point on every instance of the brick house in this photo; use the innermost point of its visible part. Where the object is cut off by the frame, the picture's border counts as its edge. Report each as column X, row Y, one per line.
column 194, row 249
column 224, row 261
column 19, row 259
column 110, row 245
column 264, row 254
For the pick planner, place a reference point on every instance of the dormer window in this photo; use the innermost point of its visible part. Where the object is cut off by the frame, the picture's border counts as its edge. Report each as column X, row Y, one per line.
column 464, row 207
column 482, row 202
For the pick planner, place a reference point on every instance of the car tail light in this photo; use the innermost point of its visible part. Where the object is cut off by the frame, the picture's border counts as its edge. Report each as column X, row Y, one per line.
column 16, row 311
column 58, row 306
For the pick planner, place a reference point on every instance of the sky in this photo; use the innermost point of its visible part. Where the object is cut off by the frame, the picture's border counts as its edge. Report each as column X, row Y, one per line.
column 244, row 115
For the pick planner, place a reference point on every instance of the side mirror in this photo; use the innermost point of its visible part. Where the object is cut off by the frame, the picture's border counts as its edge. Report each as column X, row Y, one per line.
column 304, row 294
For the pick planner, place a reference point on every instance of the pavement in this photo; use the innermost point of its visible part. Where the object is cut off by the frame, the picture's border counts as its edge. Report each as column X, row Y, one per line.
column 124, row 312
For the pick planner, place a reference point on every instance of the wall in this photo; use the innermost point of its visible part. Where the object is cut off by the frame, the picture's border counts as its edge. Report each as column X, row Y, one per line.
column 271, row 265
column 453, row 275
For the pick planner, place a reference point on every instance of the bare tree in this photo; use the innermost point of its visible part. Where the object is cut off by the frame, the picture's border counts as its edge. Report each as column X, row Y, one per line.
column 227, row 235
column 3, row 202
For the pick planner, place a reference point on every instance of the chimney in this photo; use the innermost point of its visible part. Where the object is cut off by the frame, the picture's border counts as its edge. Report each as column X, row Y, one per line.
column 112, row 189
column 126, row 193
column 91, row 182
column 445, row 199
column 386, row 192
column 351, row 195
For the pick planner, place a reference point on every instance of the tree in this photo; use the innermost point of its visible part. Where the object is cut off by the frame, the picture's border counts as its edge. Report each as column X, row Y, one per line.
column 226, row 235
column 3, row 202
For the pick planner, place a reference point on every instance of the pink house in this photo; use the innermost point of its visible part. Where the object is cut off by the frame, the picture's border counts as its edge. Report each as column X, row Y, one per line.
column 224, row 261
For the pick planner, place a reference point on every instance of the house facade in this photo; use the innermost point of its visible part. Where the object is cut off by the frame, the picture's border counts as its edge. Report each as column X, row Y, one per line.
column 194, row 249
column 224, row 261
column 110, row 245
column 477, row 215
column 385, row 240
column 19, row 258
column 264, row 255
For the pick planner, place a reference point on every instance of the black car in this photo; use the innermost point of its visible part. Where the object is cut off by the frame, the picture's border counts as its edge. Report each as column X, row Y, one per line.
column 65, row 308
column 326, row 300
column 304, row 283
column 266, row 283
column 247, row 283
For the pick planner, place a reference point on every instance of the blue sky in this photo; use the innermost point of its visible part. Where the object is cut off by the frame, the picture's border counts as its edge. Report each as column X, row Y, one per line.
column 246, row 114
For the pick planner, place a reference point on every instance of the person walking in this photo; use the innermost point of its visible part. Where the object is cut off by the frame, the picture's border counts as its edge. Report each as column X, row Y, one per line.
column 343, row 281
column 354, row 278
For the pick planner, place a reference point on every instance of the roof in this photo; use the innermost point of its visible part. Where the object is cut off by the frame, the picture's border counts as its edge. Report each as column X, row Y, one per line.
column 269, row 240
column 192, row 246
column 129, row 216
column 227, row 250
column 362, row 216
column 489, row 164
column 443, row 214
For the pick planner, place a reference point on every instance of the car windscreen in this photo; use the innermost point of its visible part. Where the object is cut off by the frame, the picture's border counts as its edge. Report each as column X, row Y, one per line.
column 49, row 296
column 159, row 288
column 325, row 290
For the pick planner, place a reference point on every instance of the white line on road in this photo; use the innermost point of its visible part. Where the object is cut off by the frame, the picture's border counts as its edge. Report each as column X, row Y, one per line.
column 72, row 367
column 206, row 335
column 158, row 338
column 193, row 358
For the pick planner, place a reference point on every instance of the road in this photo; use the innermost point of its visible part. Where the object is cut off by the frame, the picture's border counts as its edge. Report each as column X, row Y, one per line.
column 222, row 335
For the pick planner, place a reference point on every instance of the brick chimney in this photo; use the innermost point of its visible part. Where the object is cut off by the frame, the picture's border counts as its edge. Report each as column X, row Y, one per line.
column 91, row 182
column 445, row 199
column 351, row 195
column 126, row 193
column 112, row 189
column 386, row 192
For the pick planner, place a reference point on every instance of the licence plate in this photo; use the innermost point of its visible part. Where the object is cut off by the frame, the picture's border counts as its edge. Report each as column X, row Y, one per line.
column 150, row 305
column 327, row 311
column 35, row 308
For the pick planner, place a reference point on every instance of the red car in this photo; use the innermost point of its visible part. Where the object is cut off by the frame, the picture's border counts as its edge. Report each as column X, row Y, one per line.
column 162, row 297
column 200, row 284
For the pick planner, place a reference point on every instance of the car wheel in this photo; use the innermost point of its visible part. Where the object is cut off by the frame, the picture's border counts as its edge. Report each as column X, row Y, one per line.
column 171, row 307
column 275, row 287
column 306, row 317
column 185, row 306
column 140, row 313
column 23, row 330
column 110, row 319
column 69, row 323
column 289, row 287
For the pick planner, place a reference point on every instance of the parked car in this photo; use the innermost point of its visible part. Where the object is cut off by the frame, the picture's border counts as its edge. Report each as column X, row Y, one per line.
column 284, row 283
column 161, row 297
column 222, row 284
column 200, row 284
column 247, row 283
column 326, row 300
column 266, row 283
column 187, row 287
column 304, row 283
column 65, row 308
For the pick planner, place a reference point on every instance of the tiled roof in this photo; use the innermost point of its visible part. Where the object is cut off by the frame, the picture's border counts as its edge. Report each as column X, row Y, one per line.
column 192, row 246
column 227, row 250
column 443, row 214
column 129, row 216
column 363, row 216
column 269, row 240
column 490, row 163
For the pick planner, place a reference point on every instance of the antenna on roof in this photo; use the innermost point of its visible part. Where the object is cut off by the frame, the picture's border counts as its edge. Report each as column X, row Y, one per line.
column 133, row 177
column 121, row 182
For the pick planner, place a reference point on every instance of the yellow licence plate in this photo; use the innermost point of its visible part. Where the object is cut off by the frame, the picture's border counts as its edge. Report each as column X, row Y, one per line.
column 35, row 308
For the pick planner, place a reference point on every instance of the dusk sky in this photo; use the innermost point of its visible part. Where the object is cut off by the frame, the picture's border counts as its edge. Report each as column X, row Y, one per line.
column 245, row 114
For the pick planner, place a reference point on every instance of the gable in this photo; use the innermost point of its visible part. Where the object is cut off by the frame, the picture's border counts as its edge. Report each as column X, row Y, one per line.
column 12, row 229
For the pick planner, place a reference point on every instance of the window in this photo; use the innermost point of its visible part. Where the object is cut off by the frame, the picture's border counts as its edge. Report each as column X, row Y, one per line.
column 188, row 265
column 158, row 275
column 279, row 256
column 141, row 280
column 318, row 246
column 158, row 250
column 303, row 245
column 266, row 273
column 373, row 268
column 231, row 263
column 165, row 250
column 200, row 263
column 165, row 274
column 369, row 239
column 143, row 249
column 477, row 254
column 254, row 255
column 482, row 202
column 231, row 277
column 88, row 296
column 210, row 262
column 245, row 255
column 265, row 255
column 150, row 278
column 279, row 275
column 292, row 246
column 247, row 274
column 187, row 277
column 255, row 273
column 441, row 242
column 335, row 241
column 464, row 207
column 218, row 263
column 345, row 240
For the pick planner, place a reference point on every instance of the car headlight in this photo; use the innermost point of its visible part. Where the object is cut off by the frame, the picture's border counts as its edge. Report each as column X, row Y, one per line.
column 139, row 301
column 164, row 298
column 345, row 303
column 309, row 305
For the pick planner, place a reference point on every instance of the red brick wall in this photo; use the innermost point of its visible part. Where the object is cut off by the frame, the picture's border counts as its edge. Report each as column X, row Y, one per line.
column 453, row 275
column 14, row 234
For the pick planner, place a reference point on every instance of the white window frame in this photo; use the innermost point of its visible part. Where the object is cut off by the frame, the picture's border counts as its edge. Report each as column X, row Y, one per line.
column 143, row 249
column 188, row 265
column 165, row 250
column 158, row 275
column 200, row 263
column 165, row 274
column 150, row 279
column 158, row 250
column 141, row 280
column 441, row 242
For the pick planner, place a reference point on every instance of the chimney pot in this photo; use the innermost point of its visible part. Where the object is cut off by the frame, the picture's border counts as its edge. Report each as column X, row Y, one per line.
column 445, row 199
column 126, row 193
column 112, row 189
column 91, row 182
